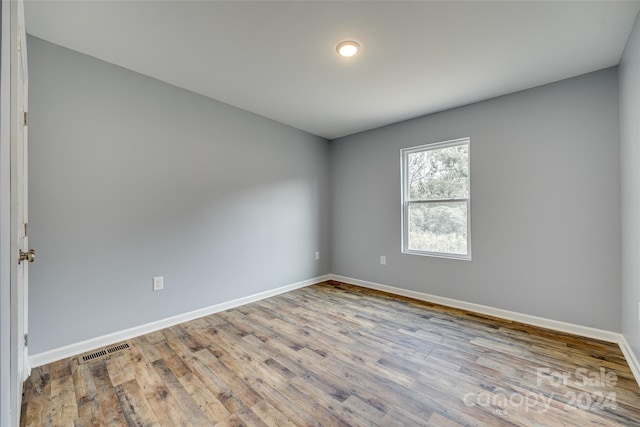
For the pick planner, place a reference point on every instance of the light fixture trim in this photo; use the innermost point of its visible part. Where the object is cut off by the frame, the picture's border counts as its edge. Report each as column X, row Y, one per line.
column 348, row 48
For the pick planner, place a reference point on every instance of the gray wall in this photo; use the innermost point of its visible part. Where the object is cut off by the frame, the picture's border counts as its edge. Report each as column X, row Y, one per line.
column 545, row 209
column 132, row 178
column 630, row 155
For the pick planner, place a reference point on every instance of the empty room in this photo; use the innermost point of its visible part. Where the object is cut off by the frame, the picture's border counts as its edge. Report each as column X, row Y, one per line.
column 320, row 213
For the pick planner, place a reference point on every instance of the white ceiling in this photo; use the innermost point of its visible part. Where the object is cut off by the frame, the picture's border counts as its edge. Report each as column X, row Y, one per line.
column 277, row 58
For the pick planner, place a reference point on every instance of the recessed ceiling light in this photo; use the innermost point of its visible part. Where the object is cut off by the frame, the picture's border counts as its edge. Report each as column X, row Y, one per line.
column 348, row 48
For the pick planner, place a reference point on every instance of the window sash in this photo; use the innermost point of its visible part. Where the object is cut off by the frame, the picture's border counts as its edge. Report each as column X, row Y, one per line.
column 442, row 253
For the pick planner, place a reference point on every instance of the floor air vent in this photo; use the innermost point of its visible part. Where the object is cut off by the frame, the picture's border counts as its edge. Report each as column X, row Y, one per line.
column 99, row 354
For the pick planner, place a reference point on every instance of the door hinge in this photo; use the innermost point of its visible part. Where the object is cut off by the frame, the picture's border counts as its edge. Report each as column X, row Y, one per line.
column 26, row 229
column 19, row 42
column 26, row 340
column 26, row 118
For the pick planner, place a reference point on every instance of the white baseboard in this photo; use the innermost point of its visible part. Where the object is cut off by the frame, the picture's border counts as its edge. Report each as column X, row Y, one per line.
column 94, row 343
column 56, row 354
column 630, row 356
column 556, row 325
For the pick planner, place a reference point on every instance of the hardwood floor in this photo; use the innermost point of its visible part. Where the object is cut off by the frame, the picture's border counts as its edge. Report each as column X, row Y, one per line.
column 338, row 355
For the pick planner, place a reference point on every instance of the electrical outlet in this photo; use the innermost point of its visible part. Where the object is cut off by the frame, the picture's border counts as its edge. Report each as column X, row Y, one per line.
column 383, row 260
column 317, row 256
column 158, row 283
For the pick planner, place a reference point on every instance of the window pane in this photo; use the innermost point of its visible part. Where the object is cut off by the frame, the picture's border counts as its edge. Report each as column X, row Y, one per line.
column 441, row 173
column 438, row 227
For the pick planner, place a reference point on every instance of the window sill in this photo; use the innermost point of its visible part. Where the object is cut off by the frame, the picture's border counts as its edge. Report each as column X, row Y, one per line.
column 438, row 255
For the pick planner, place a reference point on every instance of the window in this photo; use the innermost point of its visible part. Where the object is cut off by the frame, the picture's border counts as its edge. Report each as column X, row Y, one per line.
column 435, row 200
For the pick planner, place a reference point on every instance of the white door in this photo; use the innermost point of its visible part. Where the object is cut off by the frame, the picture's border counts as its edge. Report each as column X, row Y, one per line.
column 21, row 253
column 13, row 200
column 25, row 255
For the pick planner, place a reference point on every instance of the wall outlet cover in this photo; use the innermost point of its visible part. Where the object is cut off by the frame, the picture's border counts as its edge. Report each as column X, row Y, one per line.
column 158, row 283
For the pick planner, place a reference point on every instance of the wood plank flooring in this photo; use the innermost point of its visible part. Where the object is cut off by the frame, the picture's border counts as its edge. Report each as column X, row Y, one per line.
column 338, row 355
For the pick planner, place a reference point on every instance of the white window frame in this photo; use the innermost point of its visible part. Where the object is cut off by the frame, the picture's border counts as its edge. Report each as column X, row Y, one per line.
column 404, row 154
